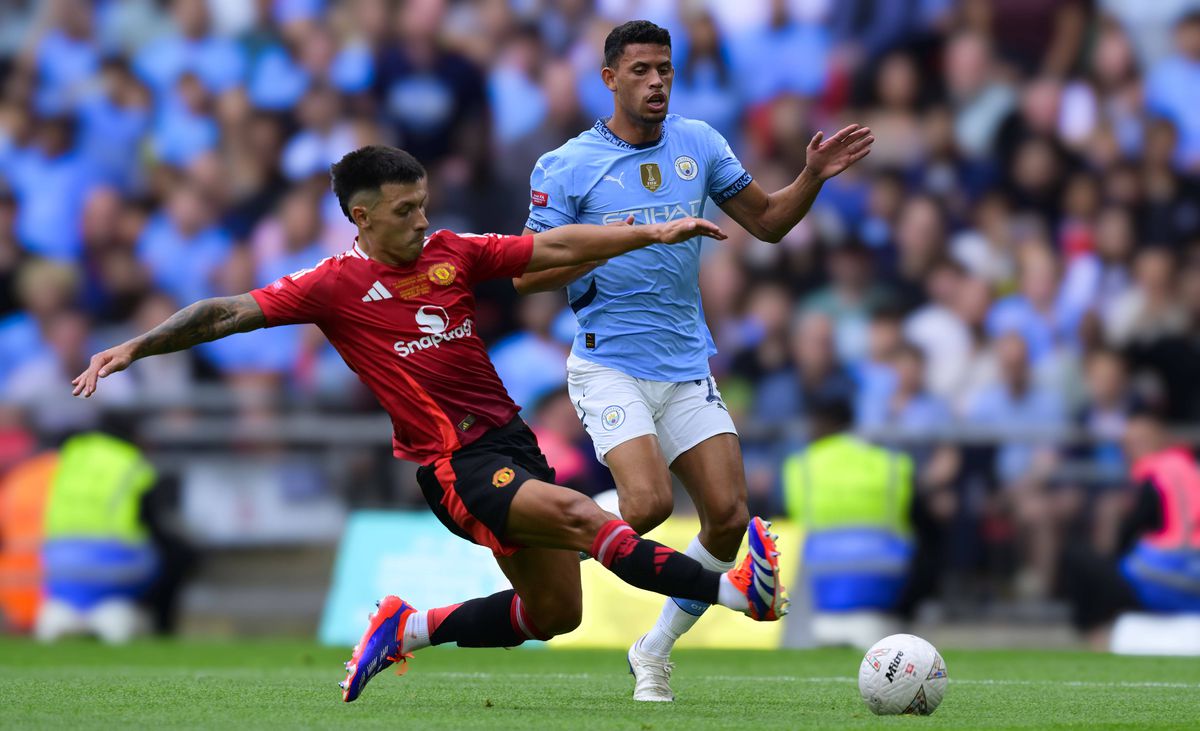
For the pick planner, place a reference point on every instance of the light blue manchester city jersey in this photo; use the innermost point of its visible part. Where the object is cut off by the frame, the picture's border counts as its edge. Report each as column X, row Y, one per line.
column 640, row 312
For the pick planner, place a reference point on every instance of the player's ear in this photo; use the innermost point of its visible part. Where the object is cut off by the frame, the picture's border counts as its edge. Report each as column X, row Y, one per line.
column 361, row 216
column 609, row 77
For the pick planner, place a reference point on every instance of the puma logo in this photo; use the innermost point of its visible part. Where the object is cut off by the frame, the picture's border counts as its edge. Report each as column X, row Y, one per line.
column 619, row 180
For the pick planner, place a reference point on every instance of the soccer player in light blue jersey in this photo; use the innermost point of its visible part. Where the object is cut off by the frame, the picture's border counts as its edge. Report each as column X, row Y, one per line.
column 638, row 371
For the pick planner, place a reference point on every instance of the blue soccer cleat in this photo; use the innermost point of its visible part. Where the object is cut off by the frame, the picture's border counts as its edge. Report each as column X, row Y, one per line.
column 758, row 575
column 379, row 647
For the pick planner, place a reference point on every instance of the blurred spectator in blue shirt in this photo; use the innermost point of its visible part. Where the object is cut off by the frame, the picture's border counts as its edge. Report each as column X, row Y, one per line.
column 798, row 53
column 815, row 373
column 517, row 100
column 114, row 118
column 1031, row 312
column 307, row 54
column 185, row 128
column 922, row 419
column 1173, row 86
column 531, row 362
column 875, row 374
column 704, row 87
column 217, row 61
column 324, row 136
column 67, row 56
column 1026, row 416
column 907, row 406
column 50, row 180
column 182, row 247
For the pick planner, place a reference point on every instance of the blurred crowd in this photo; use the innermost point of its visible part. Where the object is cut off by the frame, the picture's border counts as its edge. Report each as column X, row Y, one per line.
column 1012, row 272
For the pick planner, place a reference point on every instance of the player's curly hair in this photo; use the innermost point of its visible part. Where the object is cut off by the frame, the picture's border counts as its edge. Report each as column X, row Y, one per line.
column 635, row 31
column 370, row 168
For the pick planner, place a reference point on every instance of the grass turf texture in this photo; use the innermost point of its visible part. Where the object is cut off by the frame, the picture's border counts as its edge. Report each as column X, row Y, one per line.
column 154, row 685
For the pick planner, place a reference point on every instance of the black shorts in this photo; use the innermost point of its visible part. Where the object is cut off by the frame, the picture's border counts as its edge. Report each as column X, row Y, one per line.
column 472, row 490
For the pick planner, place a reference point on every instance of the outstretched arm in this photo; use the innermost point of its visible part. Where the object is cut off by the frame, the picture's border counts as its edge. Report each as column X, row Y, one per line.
column 549, row 280
column 199, row 322
column 580, row 243
column 552, row 279
column 770, row 216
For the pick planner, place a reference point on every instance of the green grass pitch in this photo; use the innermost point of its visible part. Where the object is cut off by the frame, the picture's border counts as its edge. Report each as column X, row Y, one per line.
column 245, row 685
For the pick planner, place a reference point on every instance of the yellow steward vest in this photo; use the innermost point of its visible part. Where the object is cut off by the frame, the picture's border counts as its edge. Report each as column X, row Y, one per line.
column 97, row 490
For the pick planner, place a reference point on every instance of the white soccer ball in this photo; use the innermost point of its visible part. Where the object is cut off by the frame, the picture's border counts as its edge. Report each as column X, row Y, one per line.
column 902, row 674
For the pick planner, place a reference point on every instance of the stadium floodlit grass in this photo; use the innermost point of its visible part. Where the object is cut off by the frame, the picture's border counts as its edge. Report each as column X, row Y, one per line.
column 293, row 685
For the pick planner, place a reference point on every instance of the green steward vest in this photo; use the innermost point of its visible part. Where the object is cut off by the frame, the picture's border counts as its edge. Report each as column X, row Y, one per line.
column 841, row 481
column 97, row 490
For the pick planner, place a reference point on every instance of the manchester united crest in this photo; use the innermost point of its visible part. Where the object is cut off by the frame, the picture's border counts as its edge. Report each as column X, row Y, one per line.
column 503, row 476
column 442, row 274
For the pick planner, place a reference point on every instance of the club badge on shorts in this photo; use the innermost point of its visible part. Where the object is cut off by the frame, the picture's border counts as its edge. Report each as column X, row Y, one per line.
column 613, row 417
column 503, row 476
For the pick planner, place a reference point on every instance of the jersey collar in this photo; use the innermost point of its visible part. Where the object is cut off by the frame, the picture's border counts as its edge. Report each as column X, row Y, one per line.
column 601, row 127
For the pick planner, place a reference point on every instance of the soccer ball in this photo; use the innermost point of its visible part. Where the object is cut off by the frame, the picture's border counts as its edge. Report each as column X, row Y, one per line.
column 902, row 674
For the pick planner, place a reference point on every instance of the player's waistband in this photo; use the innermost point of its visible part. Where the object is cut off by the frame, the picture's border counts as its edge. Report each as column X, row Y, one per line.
column 497, row 434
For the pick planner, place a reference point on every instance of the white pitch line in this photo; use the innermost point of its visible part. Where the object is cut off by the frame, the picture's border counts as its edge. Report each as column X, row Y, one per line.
column 829, row 680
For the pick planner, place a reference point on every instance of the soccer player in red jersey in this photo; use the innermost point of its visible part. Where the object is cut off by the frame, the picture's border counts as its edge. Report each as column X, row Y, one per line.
column 399, row 308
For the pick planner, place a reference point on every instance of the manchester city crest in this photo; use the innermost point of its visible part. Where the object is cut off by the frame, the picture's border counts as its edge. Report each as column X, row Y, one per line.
column 686, row 167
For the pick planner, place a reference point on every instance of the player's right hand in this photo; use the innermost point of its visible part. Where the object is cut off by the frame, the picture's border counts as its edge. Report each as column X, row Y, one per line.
column 101, row 365
column 675, row 232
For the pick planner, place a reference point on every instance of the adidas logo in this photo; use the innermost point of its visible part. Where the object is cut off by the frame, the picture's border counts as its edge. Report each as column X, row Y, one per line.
column 377, row 292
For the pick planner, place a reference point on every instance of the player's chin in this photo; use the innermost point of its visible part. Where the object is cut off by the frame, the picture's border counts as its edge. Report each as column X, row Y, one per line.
column 654, row 115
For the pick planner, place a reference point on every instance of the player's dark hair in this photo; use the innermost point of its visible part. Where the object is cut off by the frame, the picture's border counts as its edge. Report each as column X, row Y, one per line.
column 635, row 31
column 370, row 168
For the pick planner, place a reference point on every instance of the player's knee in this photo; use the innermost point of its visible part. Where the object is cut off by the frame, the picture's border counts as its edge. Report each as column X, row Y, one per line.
column 725, row 524
column 559, row 617
column 580, row 515
column 646, row 508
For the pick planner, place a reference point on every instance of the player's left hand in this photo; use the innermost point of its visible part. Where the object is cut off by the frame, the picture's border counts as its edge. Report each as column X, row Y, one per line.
column 684, row 229
column 101, row 365
column 828, row 157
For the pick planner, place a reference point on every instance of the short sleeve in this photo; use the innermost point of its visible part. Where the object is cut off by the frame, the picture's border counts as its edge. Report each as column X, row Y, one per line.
column 494, row 256
column 298, row 297
column 550, row 204
column 726, row 176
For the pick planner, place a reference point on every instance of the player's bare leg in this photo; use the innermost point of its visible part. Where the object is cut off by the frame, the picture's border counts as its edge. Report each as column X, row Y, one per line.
column 644, row 492
column 713, row 475
column 549, row 590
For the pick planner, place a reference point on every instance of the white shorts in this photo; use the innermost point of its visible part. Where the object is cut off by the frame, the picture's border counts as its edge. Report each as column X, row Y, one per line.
column 615, row 407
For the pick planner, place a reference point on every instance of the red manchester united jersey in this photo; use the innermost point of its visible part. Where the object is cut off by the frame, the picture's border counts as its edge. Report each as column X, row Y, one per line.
column 409, row 333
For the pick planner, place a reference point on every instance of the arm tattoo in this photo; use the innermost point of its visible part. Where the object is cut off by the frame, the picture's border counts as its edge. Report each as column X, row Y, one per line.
column 200, row 322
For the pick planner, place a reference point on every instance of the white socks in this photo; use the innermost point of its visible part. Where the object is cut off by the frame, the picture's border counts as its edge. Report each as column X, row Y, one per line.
column 416, row 633
column 678, row 615
column 730, row 596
